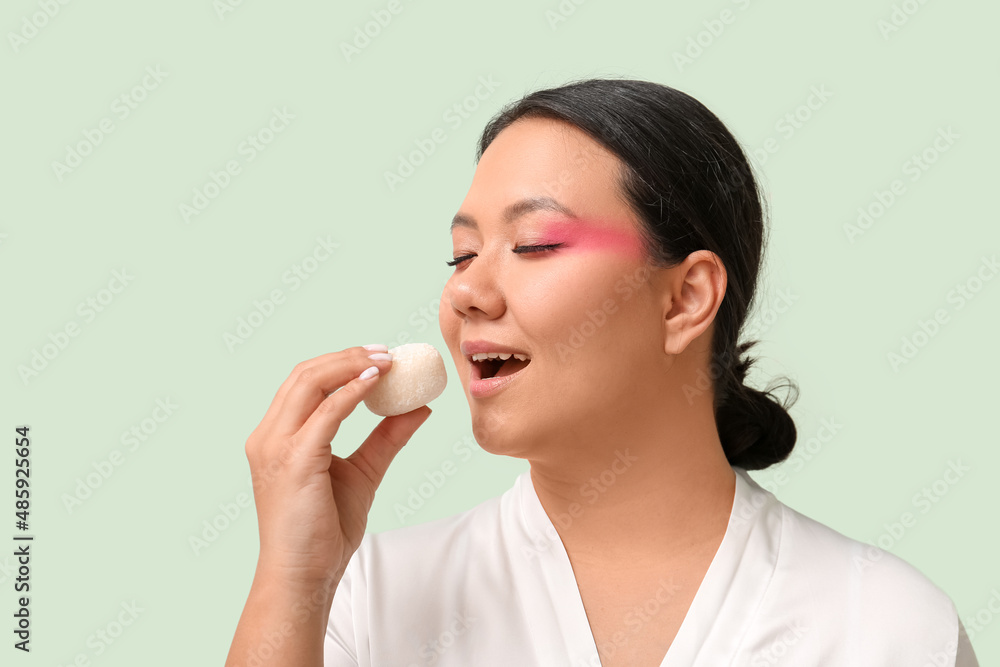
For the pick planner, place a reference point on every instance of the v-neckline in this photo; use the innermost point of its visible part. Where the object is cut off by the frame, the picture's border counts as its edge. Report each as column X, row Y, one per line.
column 721, row 611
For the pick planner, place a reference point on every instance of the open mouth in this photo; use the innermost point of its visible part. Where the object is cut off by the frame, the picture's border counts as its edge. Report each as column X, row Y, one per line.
column 492, row 365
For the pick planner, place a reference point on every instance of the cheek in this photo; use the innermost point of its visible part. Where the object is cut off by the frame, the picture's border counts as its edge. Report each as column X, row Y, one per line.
column 555, row 305
column 596, row 297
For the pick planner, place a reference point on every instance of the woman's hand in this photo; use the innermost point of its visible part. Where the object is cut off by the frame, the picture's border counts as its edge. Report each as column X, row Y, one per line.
column 312, row 506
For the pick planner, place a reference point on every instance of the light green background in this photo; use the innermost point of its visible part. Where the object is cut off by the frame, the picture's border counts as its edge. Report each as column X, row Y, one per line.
column 162, row 336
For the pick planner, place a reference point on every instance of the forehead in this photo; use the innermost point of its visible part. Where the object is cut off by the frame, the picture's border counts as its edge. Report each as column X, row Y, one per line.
column 543, row 157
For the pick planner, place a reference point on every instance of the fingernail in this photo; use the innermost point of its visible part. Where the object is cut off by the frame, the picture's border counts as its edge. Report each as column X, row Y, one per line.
column 376, row 347
column 369, row 373
column 380, row 356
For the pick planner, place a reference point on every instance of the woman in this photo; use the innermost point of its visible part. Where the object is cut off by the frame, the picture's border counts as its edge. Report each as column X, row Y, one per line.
column 611, row 238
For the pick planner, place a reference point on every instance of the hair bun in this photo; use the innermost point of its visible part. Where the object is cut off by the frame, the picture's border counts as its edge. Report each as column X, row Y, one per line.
column 756, row 429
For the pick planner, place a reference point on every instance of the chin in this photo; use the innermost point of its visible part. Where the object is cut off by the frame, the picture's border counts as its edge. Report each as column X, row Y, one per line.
column 494, row 434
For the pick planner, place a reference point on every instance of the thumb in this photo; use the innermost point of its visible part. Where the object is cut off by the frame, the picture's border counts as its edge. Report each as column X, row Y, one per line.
column 381, row 446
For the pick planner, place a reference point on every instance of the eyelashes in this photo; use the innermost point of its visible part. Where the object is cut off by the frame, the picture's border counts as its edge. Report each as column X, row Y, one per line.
column 519, row 250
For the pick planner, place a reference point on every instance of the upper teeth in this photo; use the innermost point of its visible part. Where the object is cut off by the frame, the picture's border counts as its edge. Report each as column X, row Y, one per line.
column 483, row 356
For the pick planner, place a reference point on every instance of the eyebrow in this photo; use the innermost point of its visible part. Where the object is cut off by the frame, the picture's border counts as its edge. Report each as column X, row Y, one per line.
column 515, row 211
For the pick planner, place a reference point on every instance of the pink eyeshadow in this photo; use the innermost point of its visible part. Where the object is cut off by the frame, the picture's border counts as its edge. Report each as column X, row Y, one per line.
column 589, row 235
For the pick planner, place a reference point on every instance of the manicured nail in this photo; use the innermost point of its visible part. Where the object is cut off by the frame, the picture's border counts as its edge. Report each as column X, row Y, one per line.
column 380, row 356
column 369, row 373
column 376, row 347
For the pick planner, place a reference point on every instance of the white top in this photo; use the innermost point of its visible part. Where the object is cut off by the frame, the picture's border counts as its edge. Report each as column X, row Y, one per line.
column 493, row 586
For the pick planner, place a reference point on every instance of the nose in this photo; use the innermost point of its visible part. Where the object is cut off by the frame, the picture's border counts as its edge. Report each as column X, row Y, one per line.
column 474, row 291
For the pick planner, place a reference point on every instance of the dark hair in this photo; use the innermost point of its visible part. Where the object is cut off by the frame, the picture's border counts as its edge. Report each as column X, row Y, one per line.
column 691, row 185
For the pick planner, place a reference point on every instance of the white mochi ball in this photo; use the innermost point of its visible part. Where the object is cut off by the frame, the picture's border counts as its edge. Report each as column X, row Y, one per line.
column 416, row 378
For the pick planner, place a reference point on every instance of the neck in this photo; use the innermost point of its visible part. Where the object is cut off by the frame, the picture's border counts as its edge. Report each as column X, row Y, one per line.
column 645, row 500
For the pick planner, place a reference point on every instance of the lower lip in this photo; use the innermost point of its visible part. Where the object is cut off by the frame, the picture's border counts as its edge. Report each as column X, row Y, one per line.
column 491, row 386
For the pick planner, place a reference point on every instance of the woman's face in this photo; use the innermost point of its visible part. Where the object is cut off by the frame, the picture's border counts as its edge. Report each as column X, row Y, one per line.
column 586, row 313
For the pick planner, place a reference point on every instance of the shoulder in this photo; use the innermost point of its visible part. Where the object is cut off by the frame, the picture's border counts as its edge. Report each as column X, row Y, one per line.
column 879, row 577
column 817, row 555
column 864, row 598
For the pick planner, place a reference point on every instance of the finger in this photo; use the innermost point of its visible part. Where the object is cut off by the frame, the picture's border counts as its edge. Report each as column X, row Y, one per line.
column 271, row 415
column 322, row 425
column 313, row 383
column 279, row 397
column 379, row 449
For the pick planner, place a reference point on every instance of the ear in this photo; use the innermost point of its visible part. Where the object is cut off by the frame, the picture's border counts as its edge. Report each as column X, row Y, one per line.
column 692, row 295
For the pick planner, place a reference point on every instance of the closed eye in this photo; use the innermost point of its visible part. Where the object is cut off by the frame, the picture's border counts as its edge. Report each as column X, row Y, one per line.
column 519, row 250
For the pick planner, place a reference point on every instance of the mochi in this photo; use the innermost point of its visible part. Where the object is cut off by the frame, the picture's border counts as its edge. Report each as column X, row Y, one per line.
column 417, row 376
